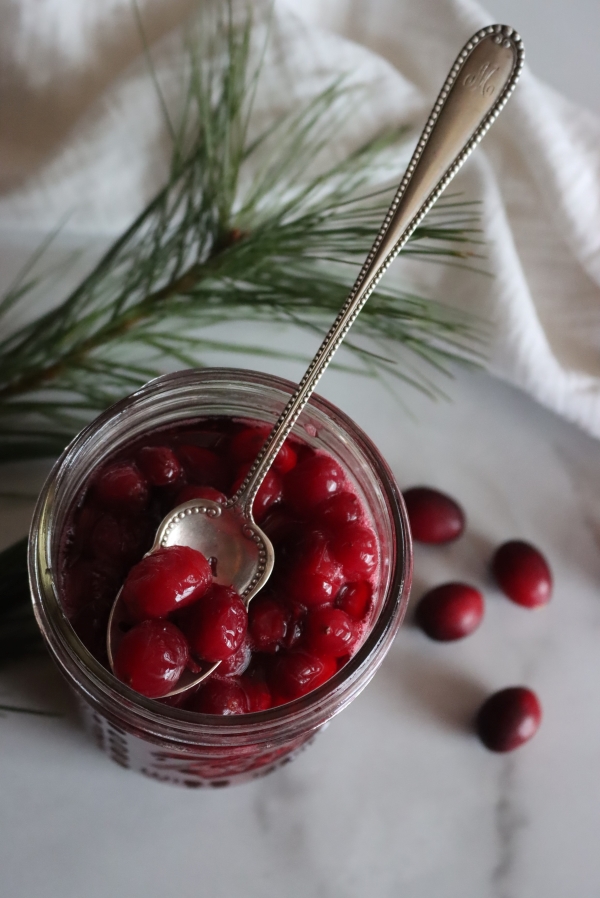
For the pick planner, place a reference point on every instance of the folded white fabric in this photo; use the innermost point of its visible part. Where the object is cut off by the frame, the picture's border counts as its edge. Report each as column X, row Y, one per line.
column 537, row 174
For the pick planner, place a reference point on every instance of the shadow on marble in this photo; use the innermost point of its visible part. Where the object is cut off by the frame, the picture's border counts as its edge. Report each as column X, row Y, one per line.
column 35, row 683
column 437, row 690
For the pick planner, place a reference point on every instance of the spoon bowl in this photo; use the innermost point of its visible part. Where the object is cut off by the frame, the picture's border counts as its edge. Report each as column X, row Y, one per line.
column 241, row 555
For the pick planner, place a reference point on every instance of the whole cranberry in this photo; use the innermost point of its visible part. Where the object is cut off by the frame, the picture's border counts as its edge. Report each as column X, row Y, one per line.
column 268, row 622
column 151, row 657
column 199, row 492
column 296, row 673
column 246, row 445
column 523, row 574
column 340, row 509
column 219, row 697
column 329, row 631
column 159, row 464
column 237, row 663
column 308, row 588
column 164, row 581
column 313, row 576
column 280, row 526
column 313, row 480
column 355, row 599
column 203, row 467
column 216, row 625
column 450, row 611
column 121, row 487
column 270, row 491
column 257, row 691
column 509, row 718
column 434, row 517
column 355, row 548
column 296, row 626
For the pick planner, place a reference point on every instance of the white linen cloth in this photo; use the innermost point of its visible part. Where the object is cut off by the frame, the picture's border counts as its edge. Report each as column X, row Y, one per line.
column 82, row 135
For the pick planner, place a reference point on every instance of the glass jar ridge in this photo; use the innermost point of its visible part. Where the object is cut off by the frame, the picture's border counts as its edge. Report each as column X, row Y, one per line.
column 166, row 742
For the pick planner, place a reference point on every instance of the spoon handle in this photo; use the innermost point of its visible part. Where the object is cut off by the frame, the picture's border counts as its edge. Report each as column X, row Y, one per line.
column 476, row 89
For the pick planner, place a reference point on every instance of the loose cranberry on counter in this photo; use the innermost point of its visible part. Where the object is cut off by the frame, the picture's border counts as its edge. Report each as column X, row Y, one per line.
column 329, row 631
column 219, row 697
column 297, row 673
column 151, row 658
column 216, row 625
column 159, row 464
column 203, row 467
column 434, row 517
column 165, row 581
column 450, row 611
column 268, row 623
column 355, row 548
column 121, row 487
column 355, row 599
column 509, row 718
column 313, row 480
column 246, row 445
column 523, row 574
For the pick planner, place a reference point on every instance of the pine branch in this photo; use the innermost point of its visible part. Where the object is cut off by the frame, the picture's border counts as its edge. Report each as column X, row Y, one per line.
column 15, row 709
column 208, row 251
column 19, row 634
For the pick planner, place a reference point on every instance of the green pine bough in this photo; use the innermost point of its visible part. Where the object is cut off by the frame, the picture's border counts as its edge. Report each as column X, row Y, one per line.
column 216, row 246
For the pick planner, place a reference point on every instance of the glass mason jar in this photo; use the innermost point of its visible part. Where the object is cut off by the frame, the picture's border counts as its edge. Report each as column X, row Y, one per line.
column 165, row 742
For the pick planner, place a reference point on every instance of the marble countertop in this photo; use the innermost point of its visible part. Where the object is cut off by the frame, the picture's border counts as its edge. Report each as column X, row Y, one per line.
column 397, row 797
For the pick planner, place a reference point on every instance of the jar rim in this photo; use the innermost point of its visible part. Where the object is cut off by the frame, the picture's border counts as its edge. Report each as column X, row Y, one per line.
column 102, row 689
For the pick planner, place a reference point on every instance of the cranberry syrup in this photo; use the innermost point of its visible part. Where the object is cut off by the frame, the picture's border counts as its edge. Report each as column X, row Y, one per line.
column 301, row 629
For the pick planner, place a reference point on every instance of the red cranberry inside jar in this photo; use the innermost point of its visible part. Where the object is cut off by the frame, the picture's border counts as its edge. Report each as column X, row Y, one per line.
column 151, row 657
column 314, row 614
column 165, row 581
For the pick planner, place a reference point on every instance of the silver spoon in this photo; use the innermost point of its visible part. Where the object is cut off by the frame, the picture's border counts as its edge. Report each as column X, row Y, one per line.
column 476, row 89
